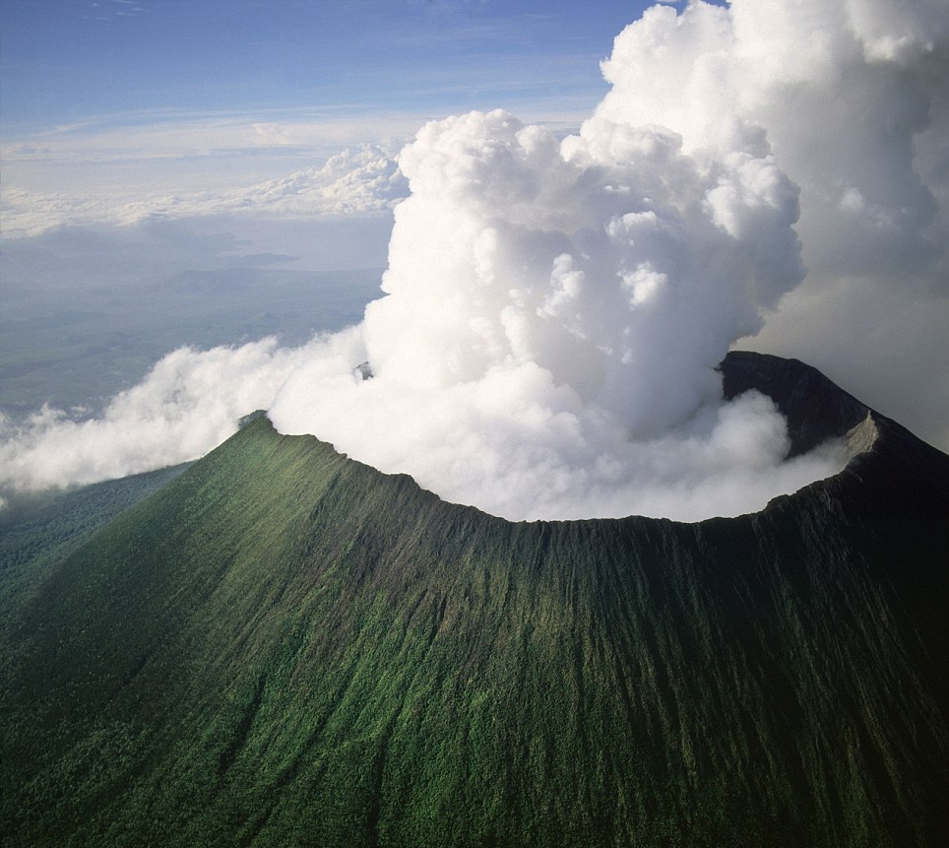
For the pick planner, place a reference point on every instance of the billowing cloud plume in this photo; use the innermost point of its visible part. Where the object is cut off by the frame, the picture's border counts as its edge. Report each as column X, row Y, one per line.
column 554, row 309
column 840, row 92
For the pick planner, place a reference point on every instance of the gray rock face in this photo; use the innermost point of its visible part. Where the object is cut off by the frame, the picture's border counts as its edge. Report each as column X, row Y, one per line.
column 816, row 408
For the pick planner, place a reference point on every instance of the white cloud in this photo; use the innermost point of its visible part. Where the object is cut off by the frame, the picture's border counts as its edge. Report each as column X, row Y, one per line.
column 123, row 168
column 548, row 301
column 354, row 182
column 812, row 82
column 188, row 403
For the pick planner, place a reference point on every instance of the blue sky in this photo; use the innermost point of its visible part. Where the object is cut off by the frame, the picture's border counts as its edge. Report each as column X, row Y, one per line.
column 120, row 61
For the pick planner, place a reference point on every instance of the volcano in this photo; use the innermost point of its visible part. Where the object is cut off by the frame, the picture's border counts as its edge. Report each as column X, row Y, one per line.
column 283, row 646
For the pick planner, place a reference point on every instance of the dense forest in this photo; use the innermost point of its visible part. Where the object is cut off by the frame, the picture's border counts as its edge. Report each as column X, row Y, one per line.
column 282, row 646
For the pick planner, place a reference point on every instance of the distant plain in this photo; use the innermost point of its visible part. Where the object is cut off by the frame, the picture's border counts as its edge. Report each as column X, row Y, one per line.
column 86, row 315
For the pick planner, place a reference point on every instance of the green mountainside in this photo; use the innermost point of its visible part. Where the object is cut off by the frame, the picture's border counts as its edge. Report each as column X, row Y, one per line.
column 37, row 531
column 286, row 647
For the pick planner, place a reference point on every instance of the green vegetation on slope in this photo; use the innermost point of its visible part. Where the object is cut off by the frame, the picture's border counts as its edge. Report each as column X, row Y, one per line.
column 284, row 647
column 37, row 531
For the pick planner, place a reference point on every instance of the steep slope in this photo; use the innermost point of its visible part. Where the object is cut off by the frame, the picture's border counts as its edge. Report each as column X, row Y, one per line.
column 286, row 647
column 38, row 531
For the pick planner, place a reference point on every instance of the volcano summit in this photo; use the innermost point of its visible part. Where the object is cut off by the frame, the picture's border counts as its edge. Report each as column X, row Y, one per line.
column 287, row 647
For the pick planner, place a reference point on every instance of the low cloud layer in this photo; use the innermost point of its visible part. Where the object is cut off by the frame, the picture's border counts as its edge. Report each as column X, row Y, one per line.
column 188, row 403
column 355, row 182
column 554, row 310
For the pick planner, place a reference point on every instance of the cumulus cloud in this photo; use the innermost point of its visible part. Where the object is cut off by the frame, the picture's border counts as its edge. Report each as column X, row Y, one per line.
column 839, row 92
column 554, row 312
column 359, row 181
column 614, row 265
column 554, row 309
column 354, row 182
column 852, row 99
